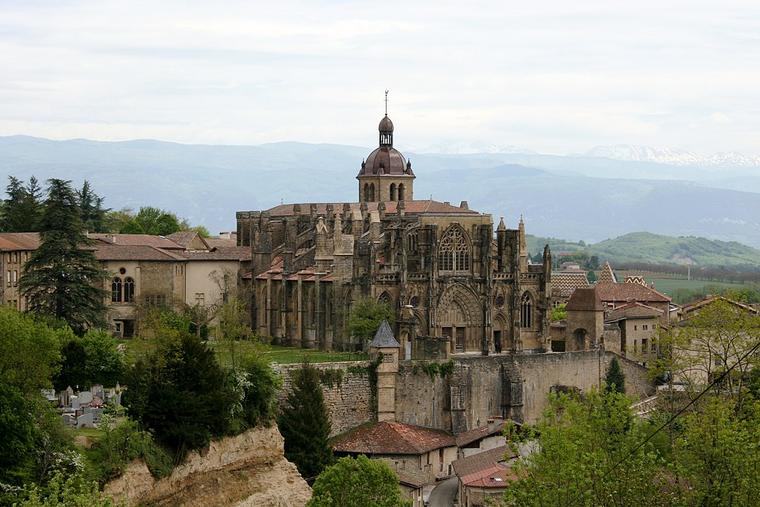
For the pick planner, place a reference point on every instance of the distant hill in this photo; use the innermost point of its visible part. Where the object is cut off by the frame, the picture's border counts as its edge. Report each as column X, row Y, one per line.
column 657, row 249
column 577, row 197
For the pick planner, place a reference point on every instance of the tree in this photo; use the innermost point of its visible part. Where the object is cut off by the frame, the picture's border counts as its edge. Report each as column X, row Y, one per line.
column 91, row 359
column 91, row 207
column 73, row 360
column 62, row 279
column 22, row 208
column 615, row 380
column 559, row 313
column 579, row 443
column 305, row 423
column 357, row 481
column 180, row 394
column 366, row 316
column 29, row 351
column 234, row 325
column 150, row 220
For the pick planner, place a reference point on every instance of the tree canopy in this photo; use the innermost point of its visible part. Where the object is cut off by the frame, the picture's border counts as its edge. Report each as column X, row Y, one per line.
column 366, row 316
column 357, row 481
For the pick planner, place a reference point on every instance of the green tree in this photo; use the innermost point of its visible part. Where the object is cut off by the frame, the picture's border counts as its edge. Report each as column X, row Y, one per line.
column 17, row 425
column 62, row 279
column 615, row 380
column 73, row 364
column 305, row 423
column 579, row 445
column 104, row 363
column 357, row 481
column 65, row 490
column 260, row 400
column 181, row 395
column 150, row 220
column 234, row 325
column 559, row 312
column 366, row 316
column 29, row 351
column 22, row 208
column 91, row 207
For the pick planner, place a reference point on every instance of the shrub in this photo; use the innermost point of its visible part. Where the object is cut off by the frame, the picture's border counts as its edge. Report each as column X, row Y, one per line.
column 357, row 481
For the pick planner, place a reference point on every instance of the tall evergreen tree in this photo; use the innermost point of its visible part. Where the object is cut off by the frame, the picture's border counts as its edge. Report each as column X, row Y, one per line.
column 62, row 278
column 91, row 206
column 23, row 206
column 615, row 379
column 305, row 424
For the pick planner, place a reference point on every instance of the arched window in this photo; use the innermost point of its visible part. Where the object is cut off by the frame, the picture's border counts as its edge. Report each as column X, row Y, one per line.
column 116, row 290
column 413, row 241
column 384, row 298
column 371, row 191
column 526, row 311
column 414, row 302
column 454, row 251
column 129, row 290
column 393, row 191
column 401, row 192
column 366, row 192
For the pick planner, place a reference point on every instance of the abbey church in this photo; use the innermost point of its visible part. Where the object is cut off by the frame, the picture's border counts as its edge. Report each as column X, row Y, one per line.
column 455, row 284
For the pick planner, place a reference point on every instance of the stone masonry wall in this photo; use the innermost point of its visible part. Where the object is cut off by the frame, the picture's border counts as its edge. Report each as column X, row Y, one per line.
column 347, row 392
column 478, row 388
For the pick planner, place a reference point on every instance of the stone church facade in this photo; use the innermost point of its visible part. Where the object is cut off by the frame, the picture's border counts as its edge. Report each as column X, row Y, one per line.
column 455, row 285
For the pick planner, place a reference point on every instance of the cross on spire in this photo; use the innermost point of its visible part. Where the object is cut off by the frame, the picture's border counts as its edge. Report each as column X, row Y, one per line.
column 386, row 102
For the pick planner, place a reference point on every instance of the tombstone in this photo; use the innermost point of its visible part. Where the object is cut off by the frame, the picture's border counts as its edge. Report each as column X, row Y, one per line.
column 97, row 390
column 85, row 397
column 74, row 402
column 86, row 420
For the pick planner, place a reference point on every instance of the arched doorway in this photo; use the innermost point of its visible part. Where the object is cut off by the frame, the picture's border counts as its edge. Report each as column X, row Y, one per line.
column 500, row 335
column 459, row 318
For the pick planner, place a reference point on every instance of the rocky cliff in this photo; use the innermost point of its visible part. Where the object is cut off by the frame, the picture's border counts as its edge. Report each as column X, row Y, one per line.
column 246, row 470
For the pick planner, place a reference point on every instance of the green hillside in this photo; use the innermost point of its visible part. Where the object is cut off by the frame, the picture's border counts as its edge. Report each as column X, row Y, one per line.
column 657, row 249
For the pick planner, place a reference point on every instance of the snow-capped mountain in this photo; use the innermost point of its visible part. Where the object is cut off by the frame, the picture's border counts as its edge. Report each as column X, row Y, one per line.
column 672, row 156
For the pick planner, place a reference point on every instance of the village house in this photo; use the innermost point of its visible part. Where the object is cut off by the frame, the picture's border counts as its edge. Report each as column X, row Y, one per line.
column 483, row 477
column 183, row 269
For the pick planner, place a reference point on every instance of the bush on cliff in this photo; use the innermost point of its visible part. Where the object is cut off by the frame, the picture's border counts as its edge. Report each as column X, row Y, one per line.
column 305, row 424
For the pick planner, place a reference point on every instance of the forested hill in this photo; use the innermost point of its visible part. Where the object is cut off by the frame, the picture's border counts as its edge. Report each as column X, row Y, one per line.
column 651, row 248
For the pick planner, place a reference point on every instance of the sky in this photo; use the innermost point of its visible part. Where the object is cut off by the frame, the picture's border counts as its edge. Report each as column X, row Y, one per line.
column 547, row 76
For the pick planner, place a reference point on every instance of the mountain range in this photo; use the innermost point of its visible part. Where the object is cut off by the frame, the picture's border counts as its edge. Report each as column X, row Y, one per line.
column 576, row 197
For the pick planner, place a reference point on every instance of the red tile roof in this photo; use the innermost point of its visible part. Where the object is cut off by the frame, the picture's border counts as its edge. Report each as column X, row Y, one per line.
column 19, row 241
column 388, row 437
column 565, row 282
column 117, row 252
column 619, row 292
column 136, row 239
column 487, row 469
column 585, row 299
column 476, row 434
column 426, row 206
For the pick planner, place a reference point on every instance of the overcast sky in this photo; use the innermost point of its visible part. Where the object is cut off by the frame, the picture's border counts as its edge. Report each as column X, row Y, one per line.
column 552, row 76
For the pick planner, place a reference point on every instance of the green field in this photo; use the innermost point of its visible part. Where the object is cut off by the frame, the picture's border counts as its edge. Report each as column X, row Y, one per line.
column 138, row 347
column 669, row 285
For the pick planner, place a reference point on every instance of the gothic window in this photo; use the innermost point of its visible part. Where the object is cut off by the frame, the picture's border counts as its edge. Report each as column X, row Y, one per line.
column 414, row 302
column 526, row 311
column 393, row 191
column 129, row 290
column 371, row 191
column 366, row 192
column 498, row 301
column 412, row 242
column 384, row 298
column 116, row 290
column 401, row 192
column 454, row 251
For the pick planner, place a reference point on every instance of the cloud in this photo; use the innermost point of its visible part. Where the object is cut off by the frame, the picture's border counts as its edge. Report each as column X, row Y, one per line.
column 552, row 76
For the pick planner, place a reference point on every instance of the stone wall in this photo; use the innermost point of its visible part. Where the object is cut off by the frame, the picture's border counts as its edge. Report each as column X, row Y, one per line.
column 476, row 389
column 347, row 391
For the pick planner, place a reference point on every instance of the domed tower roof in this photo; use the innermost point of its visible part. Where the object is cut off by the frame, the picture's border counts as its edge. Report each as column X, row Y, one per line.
column 386, row 159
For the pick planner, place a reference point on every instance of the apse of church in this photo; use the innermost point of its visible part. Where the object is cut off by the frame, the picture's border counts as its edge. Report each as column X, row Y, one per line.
column 455, row 285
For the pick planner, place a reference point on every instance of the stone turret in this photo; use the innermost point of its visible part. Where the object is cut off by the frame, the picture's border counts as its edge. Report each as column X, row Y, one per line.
column 384, row 345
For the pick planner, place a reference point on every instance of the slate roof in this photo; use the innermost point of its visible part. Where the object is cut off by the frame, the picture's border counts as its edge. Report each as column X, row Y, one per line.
column 619, row 292
column 389, row 437
column 633, row 310
column 487, row 469
column 585, row 299
column 416, row 207
column 384, row 337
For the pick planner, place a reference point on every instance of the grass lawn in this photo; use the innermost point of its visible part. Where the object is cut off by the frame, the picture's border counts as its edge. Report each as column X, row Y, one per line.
column 138, row 347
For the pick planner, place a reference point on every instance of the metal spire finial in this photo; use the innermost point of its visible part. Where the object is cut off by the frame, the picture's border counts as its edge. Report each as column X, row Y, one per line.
column 386, row 102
